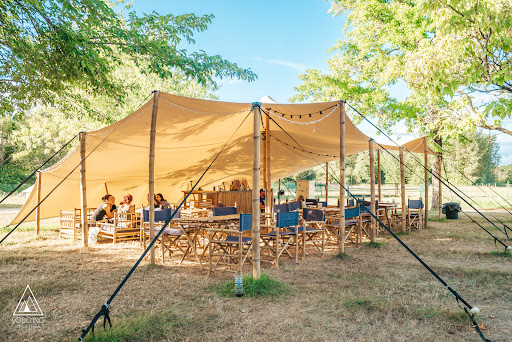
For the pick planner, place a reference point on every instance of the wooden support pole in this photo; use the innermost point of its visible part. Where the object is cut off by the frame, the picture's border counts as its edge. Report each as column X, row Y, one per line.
column 440, row 186
column 151, row 180
column 327, row 183
column 269, row 201
column 83, row 192
column 372, row 190
column 265, row 164
column 342, row 178
column 425, row 155
column 38, row 194
column 379, row 180
column 279, row 192
column 256, row 271
column 402, row 183
column 106, row 189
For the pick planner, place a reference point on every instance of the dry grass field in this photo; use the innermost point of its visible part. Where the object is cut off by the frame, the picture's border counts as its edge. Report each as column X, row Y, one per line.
column 373, row 294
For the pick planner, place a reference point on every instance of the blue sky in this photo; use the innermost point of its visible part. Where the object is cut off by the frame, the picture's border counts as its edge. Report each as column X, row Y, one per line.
column 278, row 40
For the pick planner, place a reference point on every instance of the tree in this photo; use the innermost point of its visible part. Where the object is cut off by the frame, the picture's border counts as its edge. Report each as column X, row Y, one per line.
column 447, row 53
column 49, row 47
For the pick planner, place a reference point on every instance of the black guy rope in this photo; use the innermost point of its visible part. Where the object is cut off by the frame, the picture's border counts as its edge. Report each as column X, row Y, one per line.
column 472, row 310
column 39, row 168
column 426, row 168
column 104, row 311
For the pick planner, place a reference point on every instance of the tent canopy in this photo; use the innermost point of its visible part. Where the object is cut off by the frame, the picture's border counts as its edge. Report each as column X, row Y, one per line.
column 190, row 133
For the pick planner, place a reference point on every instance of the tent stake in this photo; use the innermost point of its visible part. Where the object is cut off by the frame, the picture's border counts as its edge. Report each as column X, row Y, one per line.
column 83, row 192
column 342, row 177
column 372, row 190
column 255, row 192
column 151, row 181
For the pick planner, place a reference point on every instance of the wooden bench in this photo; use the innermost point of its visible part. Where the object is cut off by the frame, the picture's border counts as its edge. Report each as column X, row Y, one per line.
column 70, row 225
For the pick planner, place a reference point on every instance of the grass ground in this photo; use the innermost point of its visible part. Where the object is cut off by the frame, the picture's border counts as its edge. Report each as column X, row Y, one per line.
column 366, row 294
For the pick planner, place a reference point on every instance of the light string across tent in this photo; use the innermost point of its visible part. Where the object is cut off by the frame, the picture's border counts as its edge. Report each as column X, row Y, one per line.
column 428, row 170
column 198, row 111
column 469, row 310
column 281, row 116
column 104, row 311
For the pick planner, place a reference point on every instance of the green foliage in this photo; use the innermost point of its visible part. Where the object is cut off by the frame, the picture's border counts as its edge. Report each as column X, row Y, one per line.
column 342, row 256
column 375, row 244
column 445, row 53
column 263, row 287
column 57, row 49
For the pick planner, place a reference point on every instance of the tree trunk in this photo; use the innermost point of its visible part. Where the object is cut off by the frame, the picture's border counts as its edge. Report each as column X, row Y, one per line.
column 436, row 171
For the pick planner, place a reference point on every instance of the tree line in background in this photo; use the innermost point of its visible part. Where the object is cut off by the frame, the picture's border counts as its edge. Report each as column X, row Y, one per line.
column 472, row 160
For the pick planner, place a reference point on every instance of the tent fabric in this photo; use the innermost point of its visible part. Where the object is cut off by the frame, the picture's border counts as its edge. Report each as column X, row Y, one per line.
column 190, row 133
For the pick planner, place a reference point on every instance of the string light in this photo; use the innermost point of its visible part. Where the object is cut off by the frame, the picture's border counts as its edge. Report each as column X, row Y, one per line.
column 200, row 112
column 303, row 150
column 269, row 111
column 313, row 113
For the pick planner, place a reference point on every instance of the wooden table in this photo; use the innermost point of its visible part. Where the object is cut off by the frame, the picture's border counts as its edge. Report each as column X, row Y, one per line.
column 192, row 226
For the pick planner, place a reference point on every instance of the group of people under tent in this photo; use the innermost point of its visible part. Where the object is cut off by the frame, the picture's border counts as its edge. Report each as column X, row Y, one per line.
column 106, row 210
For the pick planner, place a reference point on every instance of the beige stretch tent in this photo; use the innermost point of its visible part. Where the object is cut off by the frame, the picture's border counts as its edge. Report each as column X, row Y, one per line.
column 190, row 133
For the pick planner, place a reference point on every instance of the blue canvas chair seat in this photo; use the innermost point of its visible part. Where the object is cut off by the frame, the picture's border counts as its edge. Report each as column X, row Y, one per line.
column 228, row 246
column 295, row 205
column 280, row 237
column 352, row 229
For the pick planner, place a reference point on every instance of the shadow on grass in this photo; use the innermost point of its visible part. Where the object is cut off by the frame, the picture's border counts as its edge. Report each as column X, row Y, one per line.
column 263, row 287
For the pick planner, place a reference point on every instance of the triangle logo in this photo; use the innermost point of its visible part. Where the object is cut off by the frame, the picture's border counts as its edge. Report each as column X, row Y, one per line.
column 27, row 306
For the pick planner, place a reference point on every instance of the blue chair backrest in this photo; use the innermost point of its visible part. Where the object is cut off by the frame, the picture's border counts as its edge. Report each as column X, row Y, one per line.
column 313, row 214
column 245, row 222
column 287, row 219
column 350, row 202
column 365, row 208
column 415, row 204
column 295, row 205
column 351, row 212
column 282, row 208
column 161, row 215
column 223, row 211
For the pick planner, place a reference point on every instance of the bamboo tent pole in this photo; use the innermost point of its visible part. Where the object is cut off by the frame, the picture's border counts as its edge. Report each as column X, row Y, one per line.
column 279, row 192
column 83, row 192
column 341, row 240
column 372, row 190
column 106, row 189
column 269, row 201
column 326, row 184
column 151, row 180
column 425, row 156
column 402, row 184
column 38, row 194
column 379, row 180
column 256, row 271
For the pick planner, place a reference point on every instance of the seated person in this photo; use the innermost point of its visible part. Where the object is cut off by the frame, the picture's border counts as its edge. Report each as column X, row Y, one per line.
column 104, row 211
column 157, row 203
column 126, row 205
column 163, row 204
column 300, row 198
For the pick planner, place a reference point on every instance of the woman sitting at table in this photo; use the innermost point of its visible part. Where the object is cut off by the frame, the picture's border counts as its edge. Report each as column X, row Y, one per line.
column 126, row 205
column 163, row 204
column 104, row 211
